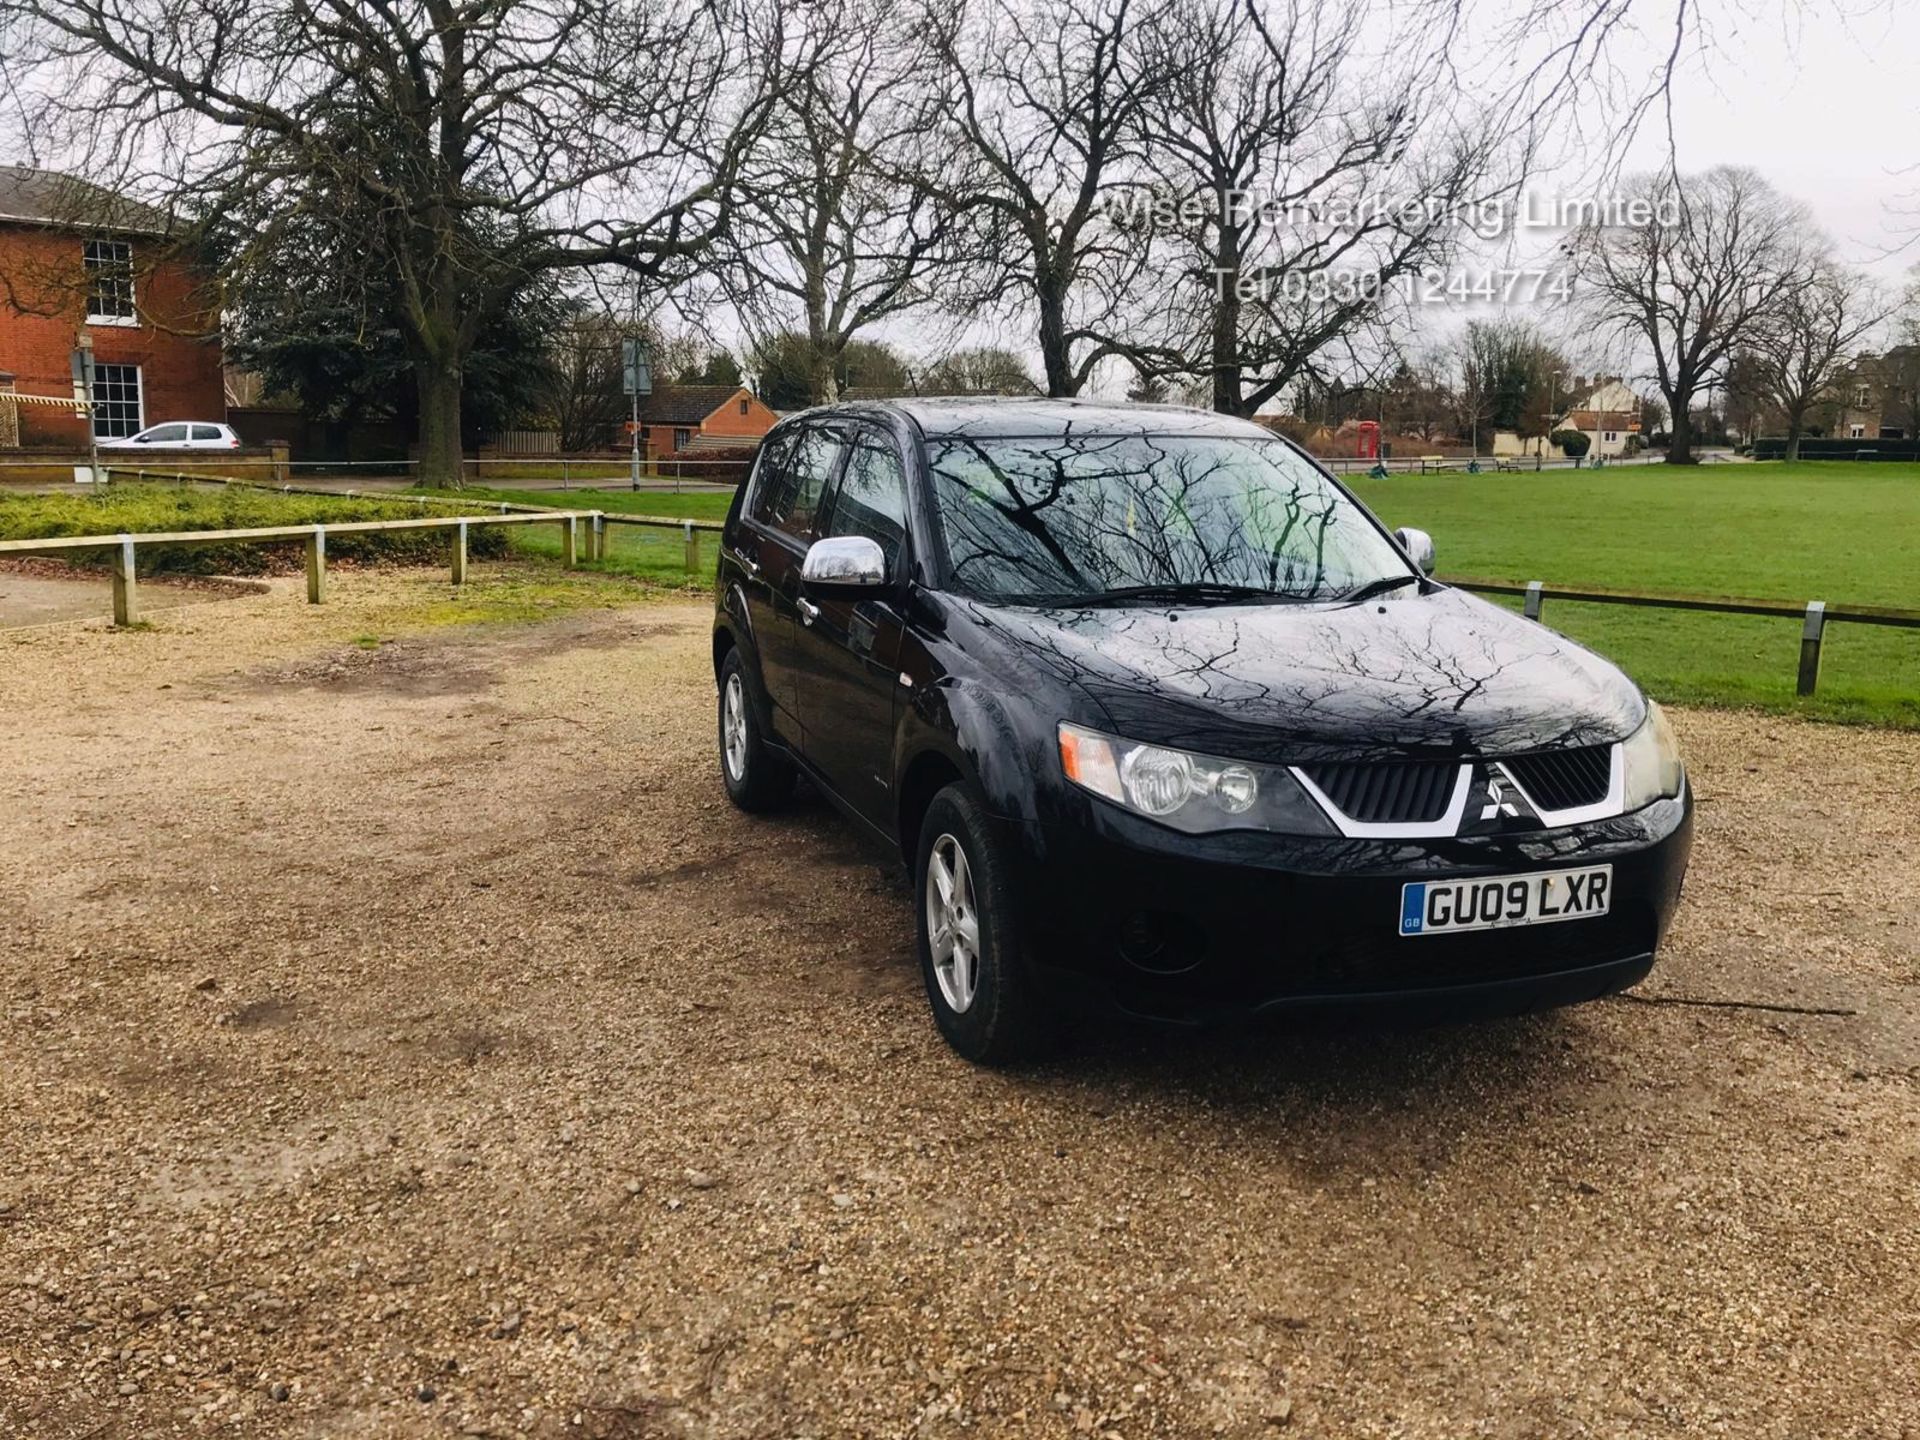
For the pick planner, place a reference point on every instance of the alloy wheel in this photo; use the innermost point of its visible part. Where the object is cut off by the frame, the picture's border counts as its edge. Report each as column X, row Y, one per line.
column 733, row 728
column 953, row 923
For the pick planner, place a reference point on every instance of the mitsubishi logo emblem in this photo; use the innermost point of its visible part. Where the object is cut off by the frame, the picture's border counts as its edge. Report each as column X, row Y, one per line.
column 1497, row 802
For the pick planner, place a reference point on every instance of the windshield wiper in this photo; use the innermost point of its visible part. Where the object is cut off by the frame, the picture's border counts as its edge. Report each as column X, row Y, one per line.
column 1379, row 587
column 1197, row 592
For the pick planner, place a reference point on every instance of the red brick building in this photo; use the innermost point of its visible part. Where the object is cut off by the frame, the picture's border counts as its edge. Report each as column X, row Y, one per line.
column 682, row 420
column 76, row 259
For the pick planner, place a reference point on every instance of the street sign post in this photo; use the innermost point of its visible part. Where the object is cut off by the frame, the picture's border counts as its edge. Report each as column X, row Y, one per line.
column 637, row 373
column 83, row 385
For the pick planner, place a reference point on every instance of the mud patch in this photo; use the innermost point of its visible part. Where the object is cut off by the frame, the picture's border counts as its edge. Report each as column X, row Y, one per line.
column 267, row 1013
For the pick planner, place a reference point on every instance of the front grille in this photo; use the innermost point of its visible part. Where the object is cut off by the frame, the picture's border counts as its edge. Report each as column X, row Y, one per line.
column 1562, row 779
column 1396, row 793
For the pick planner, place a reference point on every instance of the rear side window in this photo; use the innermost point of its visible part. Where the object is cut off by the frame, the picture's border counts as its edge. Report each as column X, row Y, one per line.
column 794, row 481
column 872, row 496
column 770, row 477
column 206, row 432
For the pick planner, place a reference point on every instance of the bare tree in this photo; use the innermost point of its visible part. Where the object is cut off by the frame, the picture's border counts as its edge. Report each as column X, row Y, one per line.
column 583, row 387
column 1300, row 201
column 832, row 230
column 1801, row 351
column 978, row 370
column 1042, row 99
column 457, row 146
column 1717, row 259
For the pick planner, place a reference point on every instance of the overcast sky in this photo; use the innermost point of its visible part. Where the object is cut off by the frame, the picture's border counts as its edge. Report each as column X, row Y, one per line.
column 1825, row 105
column 1822, row 99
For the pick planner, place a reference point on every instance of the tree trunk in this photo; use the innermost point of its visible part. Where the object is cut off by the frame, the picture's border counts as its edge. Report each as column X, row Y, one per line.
column 1225, row 341
column 822, row 386
column 1680, row 433
column 1053, row 344
column 440, row 453
column 1794, row 419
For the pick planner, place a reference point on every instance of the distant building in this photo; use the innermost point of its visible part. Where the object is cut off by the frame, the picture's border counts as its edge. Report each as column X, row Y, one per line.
column 1876, row 397
column 1607, row 415
column 75, row 260
column 679, row 421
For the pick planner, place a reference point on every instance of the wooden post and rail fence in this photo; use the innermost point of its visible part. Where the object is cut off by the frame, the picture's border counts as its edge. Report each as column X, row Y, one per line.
column 1814, row 616
column 575, row 525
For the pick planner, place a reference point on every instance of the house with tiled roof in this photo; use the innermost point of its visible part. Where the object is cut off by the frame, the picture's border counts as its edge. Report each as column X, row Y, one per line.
column 1608, row 414
column 79, row 263
column 682, row 420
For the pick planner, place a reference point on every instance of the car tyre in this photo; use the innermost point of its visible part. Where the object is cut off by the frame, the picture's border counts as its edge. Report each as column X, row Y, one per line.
column 973, row 954
column 757, row 777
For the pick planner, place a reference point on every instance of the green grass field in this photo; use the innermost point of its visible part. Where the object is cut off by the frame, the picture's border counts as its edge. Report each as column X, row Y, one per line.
column 655, row 555
column 1832, row 531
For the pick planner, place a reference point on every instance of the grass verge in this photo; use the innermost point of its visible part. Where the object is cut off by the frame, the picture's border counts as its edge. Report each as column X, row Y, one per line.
column 144, row 508
column 1833, row 531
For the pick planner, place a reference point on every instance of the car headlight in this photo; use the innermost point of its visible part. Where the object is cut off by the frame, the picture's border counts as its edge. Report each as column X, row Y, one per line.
column 1652, row 761
column 1189, row 792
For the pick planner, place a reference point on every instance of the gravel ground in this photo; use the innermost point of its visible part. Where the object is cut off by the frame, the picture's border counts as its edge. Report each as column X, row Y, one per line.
column 42, row 592
column 412, row 1041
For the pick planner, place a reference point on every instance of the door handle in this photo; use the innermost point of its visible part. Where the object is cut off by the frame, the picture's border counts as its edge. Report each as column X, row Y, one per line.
column 809, row 612
column 751, row 565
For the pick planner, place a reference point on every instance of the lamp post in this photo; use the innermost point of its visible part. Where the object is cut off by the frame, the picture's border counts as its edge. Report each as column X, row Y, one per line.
column 1553, row 405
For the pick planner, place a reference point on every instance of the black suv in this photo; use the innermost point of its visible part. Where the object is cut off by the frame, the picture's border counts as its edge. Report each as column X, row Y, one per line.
column 1152, row 705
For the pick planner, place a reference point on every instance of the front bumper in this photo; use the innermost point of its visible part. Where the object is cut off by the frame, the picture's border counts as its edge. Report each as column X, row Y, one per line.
column 1200, row 929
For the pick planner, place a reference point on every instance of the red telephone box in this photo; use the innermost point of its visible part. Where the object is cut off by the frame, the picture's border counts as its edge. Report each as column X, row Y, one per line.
column 1369, row 439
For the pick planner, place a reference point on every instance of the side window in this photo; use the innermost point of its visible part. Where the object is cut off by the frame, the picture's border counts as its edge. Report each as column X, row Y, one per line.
column 770, row 478
column 794, row 470
column 206, row 432
column 808, row 468
column 872, row 496
column 167, row 434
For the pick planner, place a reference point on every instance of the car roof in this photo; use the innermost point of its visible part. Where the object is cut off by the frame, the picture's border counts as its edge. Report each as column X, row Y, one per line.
column 1004, row 416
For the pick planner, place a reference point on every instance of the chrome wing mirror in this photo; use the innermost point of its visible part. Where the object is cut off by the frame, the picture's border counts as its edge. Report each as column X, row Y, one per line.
column 844, row 562
column 1417, row 543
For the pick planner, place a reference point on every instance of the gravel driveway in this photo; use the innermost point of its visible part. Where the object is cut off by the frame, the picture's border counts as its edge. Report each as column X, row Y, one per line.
column 412, row 1041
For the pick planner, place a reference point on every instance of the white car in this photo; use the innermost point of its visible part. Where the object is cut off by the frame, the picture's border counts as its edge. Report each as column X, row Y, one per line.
column 179, row 435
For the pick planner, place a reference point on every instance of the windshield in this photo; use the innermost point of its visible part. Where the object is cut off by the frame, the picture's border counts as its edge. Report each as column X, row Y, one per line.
column 1086, row 518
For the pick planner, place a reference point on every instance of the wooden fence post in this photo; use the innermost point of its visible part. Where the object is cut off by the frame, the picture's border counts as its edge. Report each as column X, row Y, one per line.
column 317, row 565
column 597, row 543
column 126, row 604
column 1536, row 597
column 1810, row 647
column 460, row 553
column 569, row 544
column 693, row 548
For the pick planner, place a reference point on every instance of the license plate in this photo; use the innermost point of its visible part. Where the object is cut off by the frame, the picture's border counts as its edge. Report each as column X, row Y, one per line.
column 1493, row 902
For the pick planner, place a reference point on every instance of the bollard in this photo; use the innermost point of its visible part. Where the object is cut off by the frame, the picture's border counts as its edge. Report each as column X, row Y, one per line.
column 693, row 549
column 1535, row 598
column 126, row 604
column 317, row 565
column 569, row 543
column 460, row 553
column 1810, row 647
